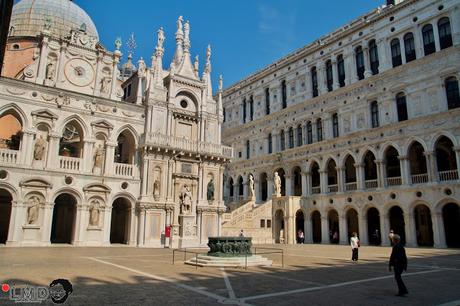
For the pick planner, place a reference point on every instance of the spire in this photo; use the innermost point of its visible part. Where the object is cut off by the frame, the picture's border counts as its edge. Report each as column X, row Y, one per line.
column 207, row 72
column 196, row 66
column 219, row 96
column 187, row 37
column 184, row 66
column 179, row 41
column 157, row 63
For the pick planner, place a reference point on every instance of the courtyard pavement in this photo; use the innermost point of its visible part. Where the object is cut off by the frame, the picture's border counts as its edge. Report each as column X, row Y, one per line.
column 312, row 275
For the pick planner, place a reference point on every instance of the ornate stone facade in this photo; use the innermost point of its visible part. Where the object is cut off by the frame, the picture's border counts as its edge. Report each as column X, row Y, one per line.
column 91, row 165
column 363, row 128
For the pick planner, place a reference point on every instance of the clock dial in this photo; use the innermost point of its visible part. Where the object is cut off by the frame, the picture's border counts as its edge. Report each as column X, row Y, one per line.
column 79, row 72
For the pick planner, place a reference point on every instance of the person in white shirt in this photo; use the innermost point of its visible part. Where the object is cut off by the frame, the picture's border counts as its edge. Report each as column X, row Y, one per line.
column 354, row 242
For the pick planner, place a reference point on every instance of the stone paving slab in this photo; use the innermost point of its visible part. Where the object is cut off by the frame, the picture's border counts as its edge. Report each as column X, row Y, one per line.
column 313, row 275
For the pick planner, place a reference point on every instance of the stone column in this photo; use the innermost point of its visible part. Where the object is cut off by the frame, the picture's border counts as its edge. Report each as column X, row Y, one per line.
column 340, row 178
column 418, row 40
column 141, row 225
column 97, row 88
column 308, row 182
column 411, row 236
column 43, row 59
column 323, row 181
column 305, row 183
column 380, row 173
column 257, row 190
column 437, row 43
column 384, row 57
column 27, row 148
column 367, row 63
column 87, row 158
column 335, row 73
column 133, row 226
column 78, row 239
column 324, row 230
column 308, row 232
column 61, row 64
column 321, row 76
column 363, row 235
column 457, row 156
column 455, row 24
column 354, row 71
column 17, row 218
column 385, row 228
column 308, row 85
column 199, row 216
column 439, row 235
column 343, row 229
column 245, row 188
column 288, row 180
column 405, row 170
column 116, row 60
column 359, row 176
column 431, row 166
column 47, row 222
column 219, row 223
column 52, row 152
column 109, row 158
column 107, row 211
column 350, row 75
column 270, row 190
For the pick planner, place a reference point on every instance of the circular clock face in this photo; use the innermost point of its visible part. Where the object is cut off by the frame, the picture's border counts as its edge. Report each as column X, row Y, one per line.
column 79, row 72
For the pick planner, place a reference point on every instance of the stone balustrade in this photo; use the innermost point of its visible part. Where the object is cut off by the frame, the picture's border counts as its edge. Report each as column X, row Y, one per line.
column 449, row 175
column 69, row 163
column 8, row 156
column 124, row 169
column 419, row 178
column 185, row 144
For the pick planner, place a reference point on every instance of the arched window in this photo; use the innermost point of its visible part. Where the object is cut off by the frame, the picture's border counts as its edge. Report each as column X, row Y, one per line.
column 248, row 149
column 291, row 138
column 270, row 144
column 453, row 97
column 374, row 114
column 267, row 101
column 445, row 34
column 395, row 53
column 401, row 106
column 428, row 40
column 335, row 125
column 71, row 144
column 299, row 135
column 309, row 133
column 319, row 129
column 282, row 141
column 284, row 93
column 329, row 76
column 125, row 151
column 374, row 57
column 359, row 56
column 230, row 186
column 409, row 47
column 314, row 82
column 341, row 70
column 244, row 110
column 251, row 108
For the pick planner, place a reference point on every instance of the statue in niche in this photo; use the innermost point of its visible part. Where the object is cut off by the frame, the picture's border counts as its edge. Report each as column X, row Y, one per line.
column 156, row 189
column 98, row 158
column 94, row 213
column 50, row 71
column 105, row 84
column 185, row 200
column 33, row 210
column 39, row 148
column 210, row 192
column 251, row 186
column 277, row 184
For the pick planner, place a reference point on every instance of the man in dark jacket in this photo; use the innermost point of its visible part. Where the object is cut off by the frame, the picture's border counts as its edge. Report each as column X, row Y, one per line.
column 398, row 261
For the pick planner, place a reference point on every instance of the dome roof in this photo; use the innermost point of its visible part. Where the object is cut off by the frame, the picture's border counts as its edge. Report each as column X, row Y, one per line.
column 28, row 18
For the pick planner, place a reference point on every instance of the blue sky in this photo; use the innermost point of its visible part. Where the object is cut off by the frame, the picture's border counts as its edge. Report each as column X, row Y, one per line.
column 245, row 35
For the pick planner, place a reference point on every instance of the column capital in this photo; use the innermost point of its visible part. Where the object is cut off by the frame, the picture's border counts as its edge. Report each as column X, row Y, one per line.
column 379, row 161
column 456, row 148
column 403, row 157
column 428, row 153
column 359, row 165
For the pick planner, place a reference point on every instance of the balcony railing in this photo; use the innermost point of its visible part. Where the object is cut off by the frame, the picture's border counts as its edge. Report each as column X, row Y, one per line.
column 371, row 184
column 8, row 156
column 124, row 169
column 69, row 163
column 419, row 178
column 185, row 144
column 394, row 181
column 333, row 188
column 316, row 190
column 449, row 175
column 351, row 186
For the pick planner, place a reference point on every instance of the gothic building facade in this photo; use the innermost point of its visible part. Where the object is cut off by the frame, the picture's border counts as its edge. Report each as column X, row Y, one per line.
column 91, row 157
column 363, row 128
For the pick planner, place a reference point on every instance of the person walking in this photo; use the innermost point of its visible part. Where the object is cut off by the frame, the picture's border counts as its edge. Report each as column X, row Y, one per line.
column 300, row 237
column 354, row 242
column 390, row 236
column 398, row 261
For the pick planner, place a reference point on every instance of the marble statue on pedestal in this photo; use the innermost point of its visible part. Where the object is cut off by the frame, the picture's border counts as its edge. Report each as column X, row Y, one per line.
column 277, row 184
column 251, row 186
column 186, row 200
column 33, row 210
column 94, row 213
column 39, row 148
column 210, row 192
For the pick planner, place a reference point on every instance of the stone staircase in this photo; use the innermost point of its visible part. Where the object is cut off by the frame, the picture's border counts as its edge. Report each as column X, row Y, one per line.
column 248, row 218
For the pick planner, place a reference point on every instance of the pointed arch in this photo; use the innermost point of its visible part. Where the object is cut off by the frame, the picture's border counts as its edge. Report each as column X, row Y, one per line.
column 17, row 112
column 80, row 122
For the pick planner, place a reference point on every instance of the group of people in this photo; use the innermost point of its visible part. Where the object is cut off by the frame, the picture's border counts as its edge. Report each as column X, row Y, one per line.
column 398, row 258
